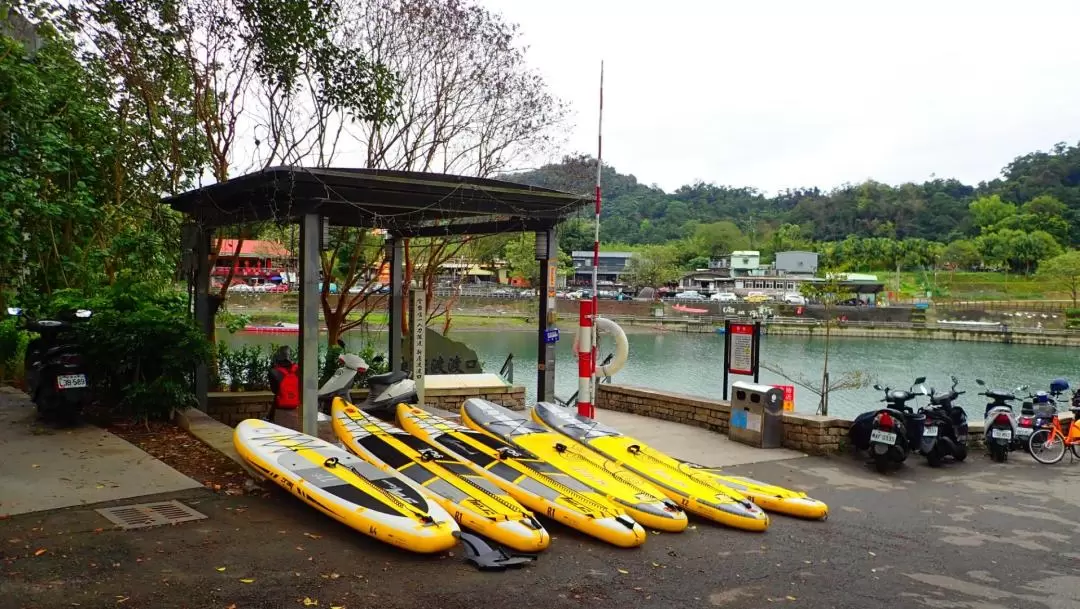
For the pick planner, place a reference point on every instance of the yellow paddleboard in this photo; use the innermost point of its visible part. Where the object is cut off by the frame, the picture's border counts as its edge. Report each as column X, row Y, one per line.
column 474, row 502
column 384, row 505
column 702, row 497
column 534, row 483
column 652, row 464
column 641, row 500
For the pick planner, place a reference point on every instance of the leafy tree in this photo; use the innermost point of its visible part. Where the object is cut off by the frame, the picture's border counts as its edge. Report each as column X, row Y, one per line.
column 988, row 211
column 962, row 254
column 520, row 254
column 719, row 238
column 653, row 266
column 1064, row 268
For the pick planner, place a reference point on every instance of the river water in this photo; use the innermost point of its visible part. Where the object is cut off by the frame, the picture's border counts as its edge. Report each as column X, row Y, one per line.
column 693, row 364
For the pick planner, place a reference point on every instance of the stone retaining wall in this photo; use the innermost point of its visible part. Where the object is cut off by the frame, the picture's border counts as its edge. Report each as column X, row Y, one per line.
column 231, row 407
column 807, row 433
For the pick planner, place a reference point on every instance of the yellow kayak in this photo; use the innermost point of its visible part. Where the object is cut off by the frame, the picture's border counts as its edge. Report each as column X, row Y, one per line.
column 702, row 497
column 474, row 502
column 641, row 500
column 534, row 483
column 384, row 505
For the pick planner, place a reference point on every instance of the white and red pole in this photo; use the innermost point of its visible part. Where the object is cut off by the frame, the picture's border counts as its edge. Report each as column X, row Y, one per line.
column 586, row 329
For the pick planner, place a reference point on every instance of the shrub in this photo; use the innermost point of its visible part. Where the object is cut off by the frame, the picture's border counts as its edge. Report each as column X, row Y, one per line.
column 13, row 343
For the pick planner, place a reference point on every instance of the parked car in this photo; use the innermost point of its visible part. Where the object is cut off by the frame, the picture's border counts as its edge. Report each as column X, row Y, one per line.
column 689, row 295
column 724, row 297
column 758, row 297
column 241, row 287
column 794, row 299
column 501, row 292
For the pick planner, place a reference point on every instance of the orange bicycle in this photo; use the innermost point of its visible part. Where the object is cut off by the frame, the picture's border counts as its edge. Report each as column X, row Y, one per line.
column 1048, row 444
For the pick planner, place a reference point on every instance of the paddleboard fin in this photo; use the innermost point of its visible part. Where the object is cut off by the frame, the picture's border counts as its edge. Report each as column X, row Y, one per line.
column 488, row 556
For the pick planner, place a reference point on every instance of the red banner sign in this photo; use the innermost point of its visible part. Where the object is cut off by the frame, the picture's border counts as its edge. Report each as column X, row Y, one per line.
column 741, row 349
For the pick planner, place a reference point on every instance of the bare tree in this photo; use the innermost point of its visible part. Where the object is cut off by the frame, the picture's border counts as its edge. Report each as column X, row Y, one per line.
column 466, row 103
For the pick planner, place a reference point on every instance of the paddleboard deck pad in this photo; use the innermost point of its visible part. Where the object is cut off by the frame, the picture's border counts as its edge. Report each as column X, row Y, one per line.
column 386, row 506
column 702, row 484
column 534, row 483
column 474, row 502
column 640, row 498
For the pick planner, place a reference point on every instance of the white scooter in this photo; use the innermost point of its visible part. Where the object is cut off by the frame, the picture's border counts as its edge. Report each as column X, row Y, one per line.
column 385, row 392
column 1002, row 427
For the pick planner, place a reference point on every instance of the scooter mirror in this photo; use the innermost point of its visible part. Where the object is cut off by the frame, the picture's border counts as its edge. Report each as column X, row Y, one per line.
column 980, row 382
column 920, row 380
column 14, row 311
column 954, row 380
column 83, row 313
column 878, row 387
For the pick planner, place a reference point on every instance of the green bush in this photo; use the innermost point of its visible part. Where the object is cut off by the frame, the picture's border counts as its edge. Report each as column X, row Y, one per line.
column 140, row 348
column 13, row 343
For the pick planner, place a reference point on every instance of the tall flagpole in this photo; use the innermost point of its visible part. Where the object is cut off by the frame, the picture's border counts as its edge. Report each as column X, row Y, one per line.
column 587, row 342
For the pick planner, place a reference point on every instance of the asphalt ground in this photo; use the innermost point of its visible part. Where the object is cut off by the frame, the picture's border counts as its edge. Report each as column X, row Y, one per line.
column 976, row 535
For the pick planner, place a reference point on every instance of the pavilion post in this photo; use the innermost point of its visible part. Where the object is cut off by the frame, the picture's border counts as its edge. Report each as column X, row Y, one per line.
column 546, row 253
column 310, row 230
column 396, row 256
column 204, row 316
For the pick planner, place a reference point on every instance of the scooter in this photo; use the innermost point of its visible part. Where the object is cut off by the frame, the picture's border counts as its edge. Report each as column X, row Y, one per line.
column 56, row 378
column 1002, row 435
column 385, row 391
column 945, row 433
column 894, row 431
column 1039, row 410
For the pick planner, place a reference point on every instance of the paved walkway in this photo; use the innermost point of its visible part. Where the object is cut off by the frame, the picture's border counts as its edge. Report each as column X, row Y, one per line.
column 691, row 443
column 43, row 468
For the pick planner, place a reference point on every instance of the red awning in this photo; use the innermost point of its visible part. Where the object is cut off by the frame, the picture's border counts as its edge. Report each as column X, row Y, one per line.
column 254, row 248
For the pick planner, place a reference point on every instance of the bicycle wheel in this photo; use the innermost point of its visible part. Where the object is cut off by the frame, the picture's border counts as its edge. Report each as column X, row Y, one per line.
column 1045, row 447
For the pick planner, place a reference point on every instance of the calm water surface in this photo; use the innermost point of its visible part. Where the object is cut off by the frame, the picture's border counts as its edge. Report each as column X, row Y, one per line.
column 693, row 363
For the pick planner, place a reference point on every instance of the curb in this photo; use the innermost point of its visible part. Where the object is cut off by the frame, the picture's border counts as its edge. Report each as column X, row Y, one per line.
column 214, row 434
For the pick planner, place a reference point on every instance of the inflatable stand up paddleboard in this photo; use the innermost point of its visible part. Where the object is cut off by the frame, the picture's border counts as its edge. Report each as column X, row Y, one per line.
column 383, row 505
column 702, row 497
column 534, row 483
column 648, row 461
column 641, row 500
column 475, row 503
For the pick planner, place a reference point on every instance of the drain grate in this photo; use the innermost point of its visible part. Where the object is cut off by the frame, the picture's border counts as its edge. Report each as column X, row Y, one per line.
column 150, row 514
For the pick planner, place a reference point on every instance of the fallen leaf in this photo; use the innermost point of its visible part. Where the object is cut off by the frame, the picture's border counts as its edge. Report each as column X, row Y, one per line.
column 623, row 571
column 313, row 536
column 310, row 602
column 40, row 552
column 231, row 606
column 98, row 530
column 100, row 486
column 337, row 607
column 790, row 598
column 872, row 554
column 656, row 564
column 247, row 580
column 122, row 599
column 334, row 576
column 35, row 466
column 221, row 568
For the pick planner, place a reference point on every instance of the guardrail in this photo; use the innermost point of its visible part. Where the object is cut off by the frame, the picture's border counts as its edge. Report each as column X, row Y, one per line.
column 718, row 321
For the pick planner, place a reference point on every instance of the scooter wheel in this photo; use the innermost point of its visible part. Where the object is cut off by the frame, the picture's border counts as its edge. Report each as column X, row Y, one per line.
column 881, row 464
column 934, row 458
column 998, row 453
column 961, row 452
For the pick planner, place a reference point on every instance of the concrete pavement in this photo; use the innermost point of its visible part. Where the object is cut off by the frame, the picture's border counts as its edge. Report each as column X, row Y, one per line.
column 976, row 535
column 43, row 468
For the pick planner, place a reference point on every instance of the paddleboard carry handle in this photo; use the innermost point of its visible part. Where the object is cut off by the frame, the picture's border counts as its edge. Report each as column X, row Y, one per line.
column 331, row 462
column 633, row 449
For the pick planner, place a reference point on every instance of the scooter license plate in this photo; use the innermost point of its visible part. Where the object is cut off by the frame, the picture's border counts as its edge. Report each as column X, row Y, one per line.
column 1024, row 431
column 929, row 430
column 71, row 381
column 1001, row 434
column 884, row 437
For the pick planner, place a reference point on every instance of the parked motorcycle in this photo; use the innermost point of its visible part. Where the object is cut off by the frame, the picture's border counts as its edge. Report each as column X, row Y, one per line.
column 1002, row 429
column 385, row 391
column 891, row 433
column 1037, row 412
column 56, row 378
column 945, row 433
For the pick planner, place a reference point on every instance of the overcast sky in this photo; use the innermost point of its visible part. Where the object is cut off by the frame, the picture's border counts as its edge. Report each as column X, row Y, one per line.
column 787, row 93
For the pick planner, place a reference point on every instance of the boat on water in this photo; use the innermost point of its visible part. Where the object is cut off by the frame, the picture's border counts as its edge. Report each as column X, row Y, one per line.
column 281, row 327
column 686, row 309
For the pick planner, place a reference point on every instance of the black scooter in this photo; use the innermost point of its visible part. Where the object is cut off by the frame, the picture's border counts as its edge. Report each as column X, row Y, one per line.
column 891, row 433
column 56, row 378
column 945, row 433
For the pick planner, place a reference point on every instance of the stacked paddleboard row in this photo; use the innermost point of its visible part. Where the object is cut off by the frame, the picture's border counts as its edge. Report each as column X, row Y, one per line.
column 412, row 485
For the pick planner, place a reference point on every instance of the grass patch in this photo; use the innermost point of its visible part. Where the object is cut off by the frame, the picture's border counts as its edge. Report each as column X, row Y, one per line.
column 960, row 285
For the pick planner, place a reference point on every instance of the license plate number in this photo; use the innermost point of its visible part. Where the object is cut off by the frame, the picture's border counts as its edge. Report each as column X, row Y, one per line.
column 71, row 381
column 885, row 437
column 1001, row 434
column 929, row 430
column 1025, row 431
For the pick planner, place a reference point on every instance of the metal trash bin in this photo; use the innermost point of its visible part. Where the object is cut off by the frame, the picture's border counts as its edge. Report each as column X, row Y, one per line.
column 757, row 415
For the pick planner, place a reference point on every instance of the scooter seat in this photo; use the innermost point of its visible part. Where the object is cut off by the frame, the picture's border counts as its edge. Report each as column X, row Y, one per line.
column 387, row 378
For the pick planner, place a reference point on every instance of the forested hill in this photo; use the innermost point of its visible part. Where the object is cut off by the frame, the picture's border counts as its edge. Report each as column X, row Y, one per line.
column 937, row 210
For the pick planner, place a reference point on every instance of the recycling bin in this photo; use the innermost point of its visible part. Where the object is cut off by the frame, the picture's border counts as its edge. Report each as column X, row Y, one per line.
column 757, row 415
